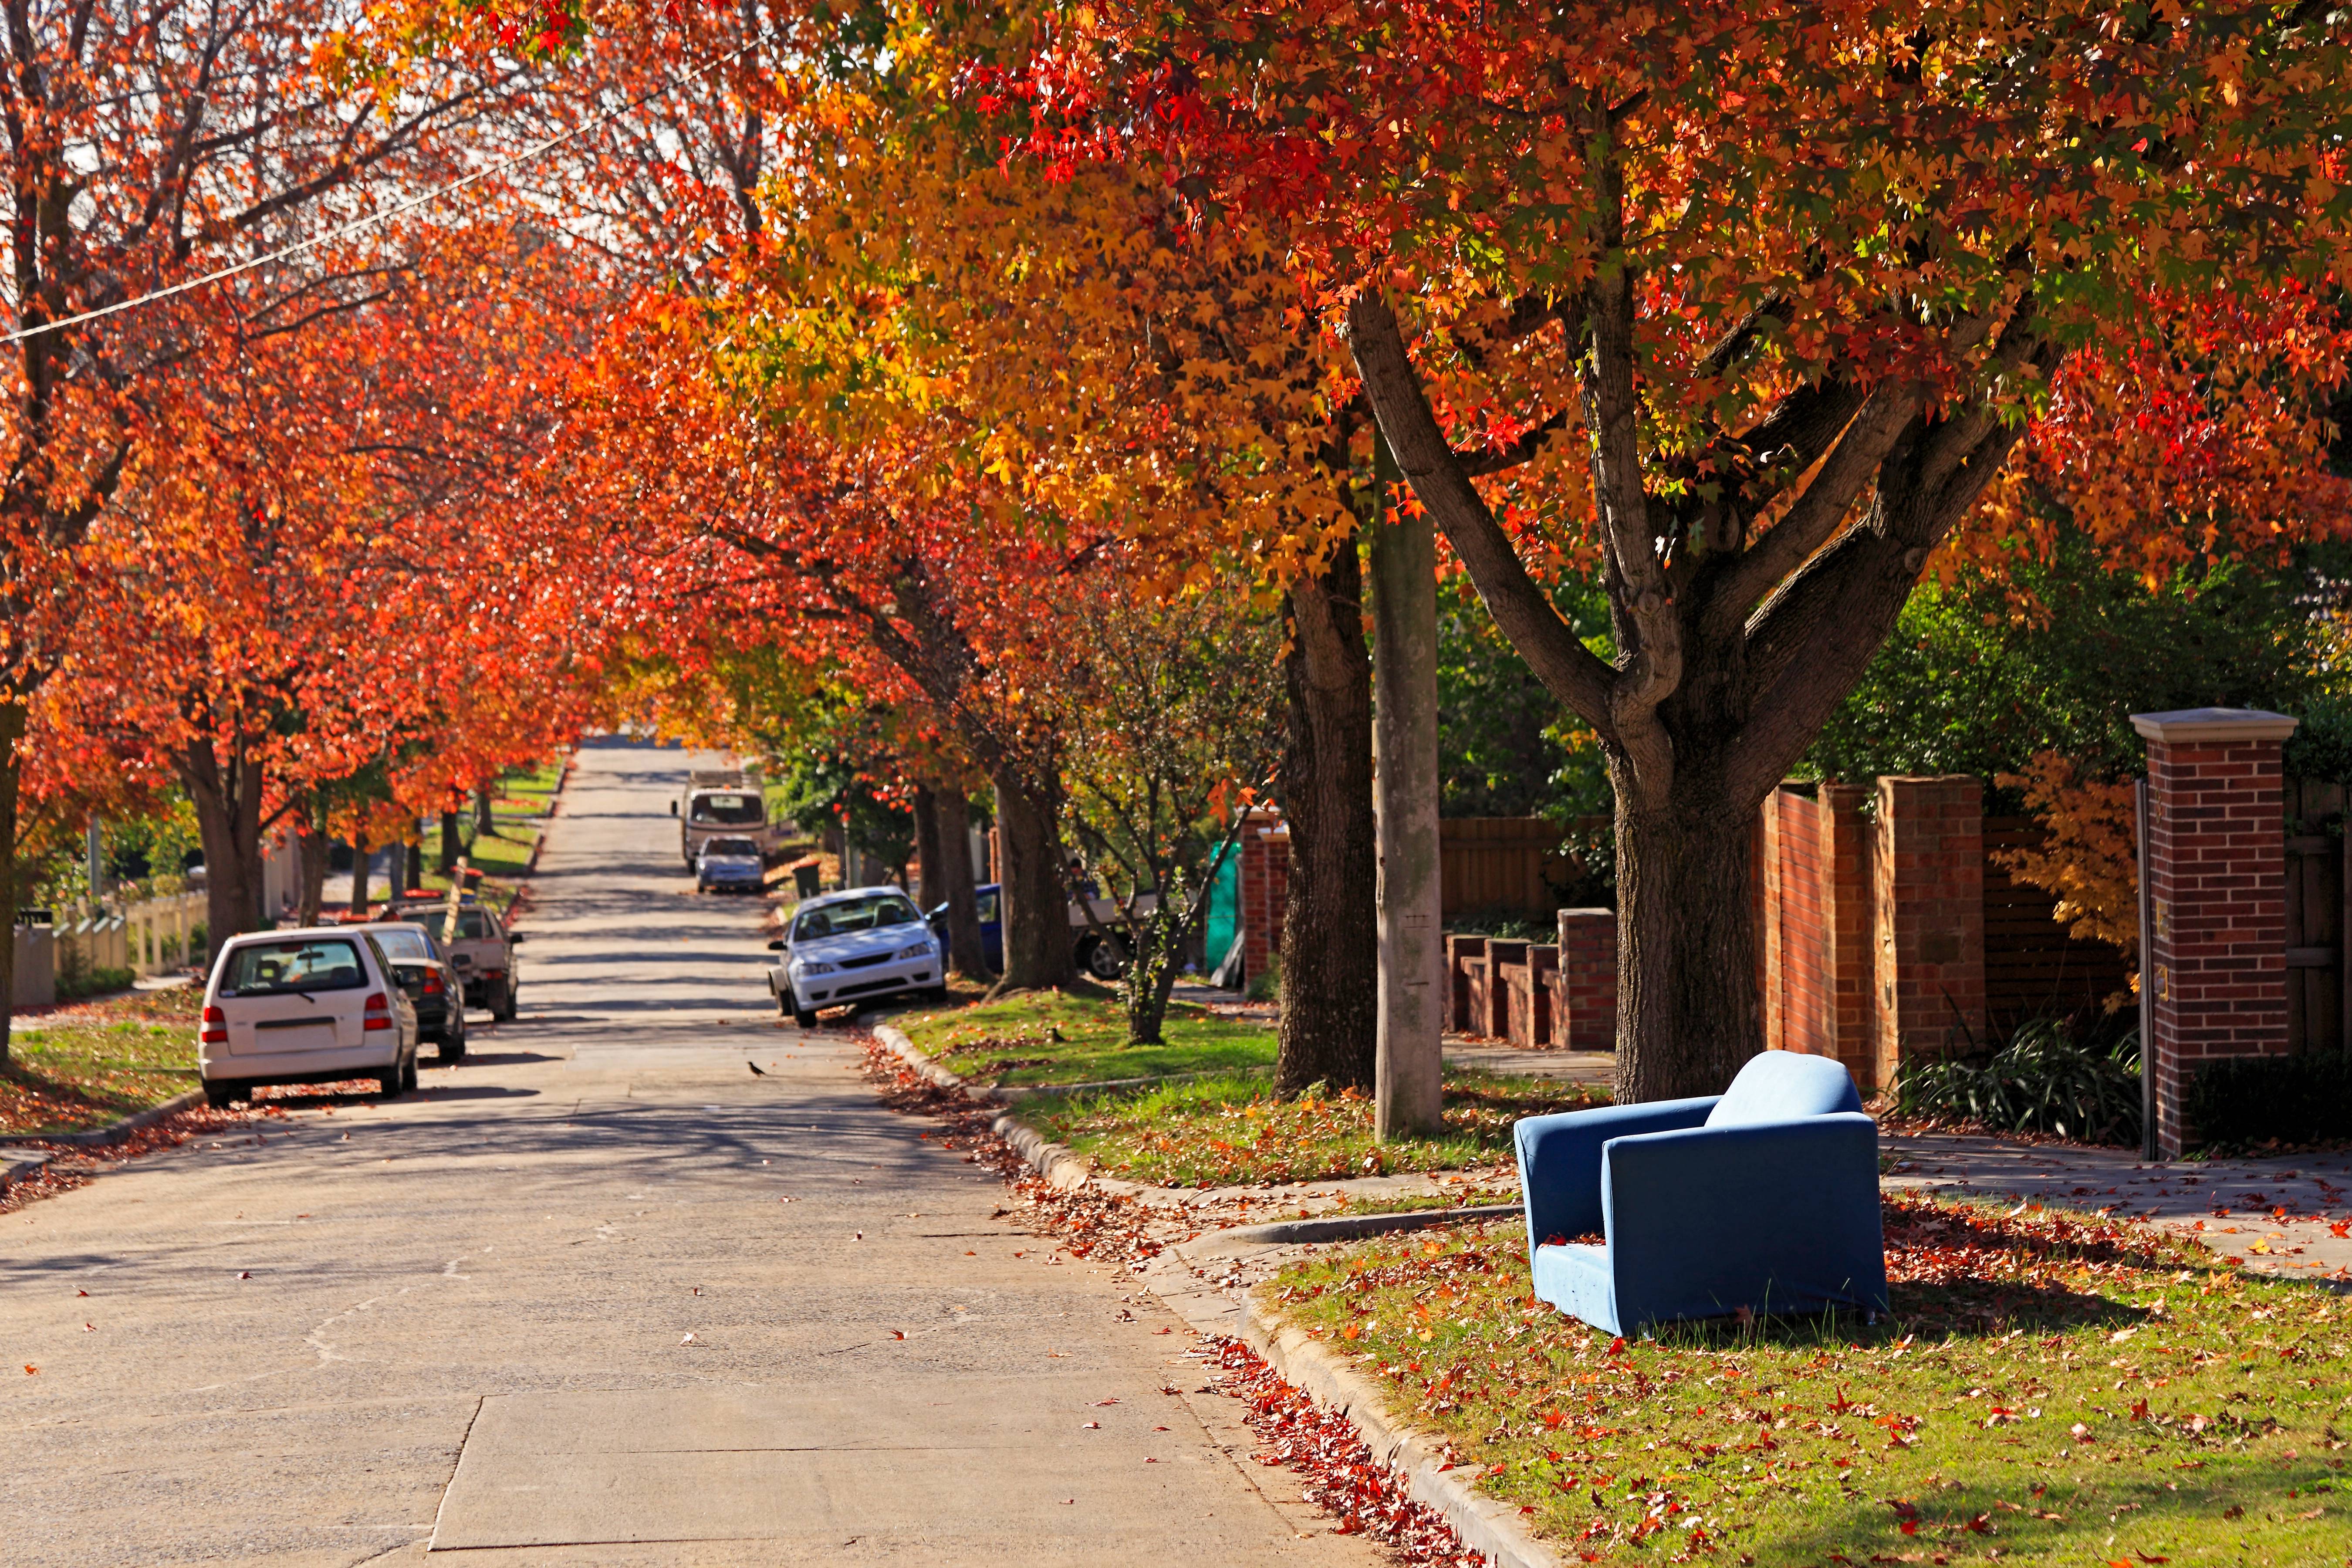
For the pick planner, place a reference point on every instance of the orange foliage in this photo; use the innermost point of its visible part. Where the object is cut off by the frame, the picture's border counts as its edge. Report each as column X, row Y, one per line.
column 2090, row 859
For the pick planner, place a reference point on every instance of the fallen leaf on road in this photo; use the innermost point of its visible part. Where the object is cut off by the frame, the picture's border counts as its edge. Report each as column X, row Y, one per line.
column 898, row 1333
column 82, row 1292
column 30, row 1369
column 245, row 1274
column 1090, row 1427
column 1150, row 1461
column 1112, row 1400
column 859, row 1236
column 89, row 1328
column 687, row 1341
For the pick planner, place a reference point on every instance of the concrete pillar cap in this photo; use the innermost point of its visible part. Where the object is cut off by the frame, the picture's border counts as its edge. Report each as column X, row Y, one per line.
column 2214, row 724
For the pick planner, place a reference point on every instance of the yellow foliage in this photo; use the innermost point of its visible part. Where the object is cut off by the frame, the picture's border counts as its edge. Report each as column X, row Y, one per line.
column 2090, row 859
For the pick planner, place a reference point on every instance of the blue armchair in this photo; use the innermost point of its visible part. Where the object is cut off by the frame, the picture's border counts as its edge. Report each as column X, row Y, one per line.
column 1765, row 1196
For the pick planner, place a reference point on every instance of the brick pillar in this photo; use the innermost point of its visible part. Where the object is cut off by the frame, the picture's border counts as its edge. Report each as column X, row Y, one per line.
column 1264, row 891
column 2216, row 867
column 1927, row 919
column 1586, row 1016
column 1461, row 952
column 1847, row 850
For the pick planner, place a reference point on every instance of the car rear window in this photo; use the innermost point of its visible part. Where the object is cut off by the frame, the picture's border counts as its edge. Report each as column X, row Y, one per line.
column 727, row 810
column 432, row 916
column 399, row 941
column 743, row 846
column 854, row 914
column 270, row 968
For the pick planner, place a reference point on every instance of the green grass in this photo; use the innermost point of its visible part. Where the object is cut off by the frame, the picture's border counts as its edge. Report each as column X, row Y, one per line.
column 1232, row 1128
column 83, row 1067
column 2051, row 1389
column 519, row 807
column 1061, row 1036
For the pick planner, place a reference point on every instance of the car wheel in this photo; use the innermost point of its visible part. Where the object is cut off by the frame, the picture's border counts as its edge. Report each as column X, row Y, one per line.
column 219, row 1095
column 502, row 1002
column 1103, row 960
column 388, row 1083
column 408, row 1076
column 251, row 1094
column 804, row 1016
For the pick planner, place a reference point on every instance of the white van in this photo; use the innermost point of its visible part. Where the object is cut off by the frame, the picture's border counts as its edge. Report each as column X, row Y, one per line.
column 304, row 1007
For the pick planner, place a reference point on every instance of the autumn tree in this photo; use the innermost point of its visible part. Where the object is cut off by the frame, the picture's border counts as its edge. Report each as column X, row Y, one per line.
column 1751, row 307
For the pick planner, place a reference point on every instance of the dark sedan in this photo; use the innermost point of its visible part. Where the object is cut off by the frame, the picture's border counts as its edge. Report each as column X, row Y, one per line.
column 432, row 983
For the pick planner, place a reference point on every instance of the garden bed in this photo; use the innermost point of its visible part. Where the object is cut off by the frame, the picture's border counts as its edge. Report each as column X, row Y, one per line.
column 1067, row 1036
column 76, row 1068
column 1232, row 1128
column 2051, row 1389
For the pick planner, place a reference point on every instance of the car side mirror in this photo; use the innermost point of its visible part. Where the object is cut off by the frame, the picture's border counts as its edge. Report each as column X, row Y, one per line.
column 673, row 808
column 778, row 945
column 514, row 936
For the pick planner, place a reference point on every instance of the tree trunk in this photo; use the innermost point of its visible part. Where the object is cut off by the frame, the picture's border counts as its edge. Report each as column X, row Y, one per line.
column 957, row 888
column 416, row 868
column 1410, row 1099
column 926, row 845
column 313, row 852
column 358, row 873
column 450, row 846
column 228, row 823
column 1688, row 1009
column 486, row 822
column 1330, row 948
column 1034, row 904
column 12, row 731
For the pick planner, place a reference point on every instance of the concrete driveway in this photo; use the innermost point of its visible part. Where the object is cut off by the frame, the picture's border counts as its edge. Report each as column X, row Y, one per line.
column 602, row 1295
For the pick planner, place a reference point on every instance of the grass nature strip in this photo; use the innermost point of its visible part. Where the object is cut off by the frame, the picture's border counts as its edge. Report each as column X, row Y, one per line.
column 1061, row 1036
column 2051, row 1389
column 82, row 1067
column 1221, row 1130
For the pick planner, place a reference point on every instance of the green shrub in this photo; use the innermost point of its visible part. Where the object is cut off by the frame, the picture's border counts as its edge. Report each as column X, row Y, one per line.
column 2045, row 1080
column 78, row 981
column 2244, row 1102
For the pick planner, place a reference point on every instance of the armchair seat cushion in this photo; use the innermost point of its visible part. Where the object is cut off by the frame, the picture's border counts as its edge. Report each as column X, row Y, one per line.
column 1575, row 1278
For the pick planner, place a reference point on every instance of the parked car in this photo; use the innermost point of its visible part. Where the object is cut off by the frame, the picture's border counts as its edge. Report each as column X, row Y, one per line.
column 858, row 945
column 434, row 985
column 1103, row 960
column 482, row 950
column 730, row 865
column 304, row 1007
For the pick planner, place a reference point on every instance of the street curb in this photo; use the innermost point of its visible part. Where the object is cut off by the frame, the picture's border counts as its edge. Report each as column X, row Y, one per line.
column 21, row 1165
column 1484, row 1524
column 116, row 1131
column 1352, row 1226
column 1056, row 1163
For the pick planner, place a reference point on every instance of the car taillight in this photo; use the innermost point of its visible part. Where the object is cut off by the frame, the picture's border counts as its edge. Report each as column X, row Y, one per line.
column 433, row 982
column 215, row 1030
column 378, row 1012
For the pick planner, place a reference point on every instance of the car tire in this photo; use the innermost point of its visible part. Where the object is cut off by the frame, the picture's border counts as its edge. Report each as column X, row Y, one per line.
column 388, row 1083
column 804, row 1016
column 502, row 1002
column 219, row 1095
column 450, row 1049
column 408, row 1076
column 1101, row 959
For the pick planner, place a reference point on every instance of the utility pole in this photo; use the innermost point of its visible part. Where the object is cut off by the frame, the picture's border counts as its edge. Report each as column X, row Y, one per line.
column 1407, row 1097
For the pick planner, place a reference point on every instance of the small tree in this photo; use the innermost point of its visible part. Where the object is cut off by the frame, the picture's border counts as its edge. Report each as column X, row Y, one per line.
column 1174, row 717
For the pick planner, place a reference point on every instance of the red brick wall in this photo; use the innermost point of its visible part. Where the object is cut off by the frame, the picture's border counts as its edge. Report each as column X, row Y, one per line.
column 1927, row 917
column 1265, row 891
column 2217, row 890
column 1816, row 926
column 1461, row 954
column 1584, row 1015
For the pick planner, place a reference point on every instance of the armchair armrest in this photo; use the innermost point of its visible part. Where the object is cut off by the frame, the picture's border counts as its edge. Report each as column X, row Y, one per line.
column 1559, row 1159
column 1776, row 1216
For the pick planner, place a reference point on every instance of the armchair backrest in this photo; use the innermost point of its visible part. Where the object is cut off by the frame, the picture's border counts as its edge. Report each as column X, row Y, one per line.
column 1784, row 1086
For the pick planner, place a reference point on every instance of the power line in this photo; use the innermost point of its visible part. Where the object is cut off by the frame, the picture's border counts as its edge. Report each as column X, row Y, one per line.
column 360, row 225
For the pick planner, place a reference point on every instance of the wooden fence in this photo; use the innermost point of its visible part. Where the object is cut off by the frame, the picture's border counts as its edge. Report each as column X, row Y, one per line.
column 2033, row 968
column 2314, row 914
column 1513, row 863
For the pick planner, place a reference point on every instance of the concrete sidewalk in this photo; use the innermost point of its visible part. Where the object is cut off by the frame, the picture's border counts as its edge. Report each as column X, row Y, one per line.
column 600, row 1294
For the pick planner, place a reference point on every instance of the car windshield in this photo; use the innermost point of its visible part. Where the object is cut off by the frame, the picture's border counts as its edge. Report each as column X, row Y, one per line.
column 869, row 913
column 432, row 917
column 405, row 941
column 726, row 810
column 736, row 846
column 267, row 968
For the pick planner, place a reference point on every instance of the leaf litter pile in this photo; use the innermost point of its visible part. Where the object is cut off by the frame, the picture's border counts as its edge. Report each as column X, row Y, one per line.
column 2051, row 1388
column 70, row 1167
column 1340, row 1474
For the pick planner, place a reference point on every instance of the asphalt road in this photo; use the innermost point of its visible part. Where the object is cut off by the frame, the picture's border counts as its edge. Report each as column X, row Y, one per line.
column 602, row 1295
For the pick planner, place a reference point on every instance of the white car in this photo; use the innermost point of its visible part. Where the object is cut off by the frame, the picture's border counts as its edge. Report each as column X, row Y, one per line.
column 855, row 946
column 304, row 1007
column 729, row 863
